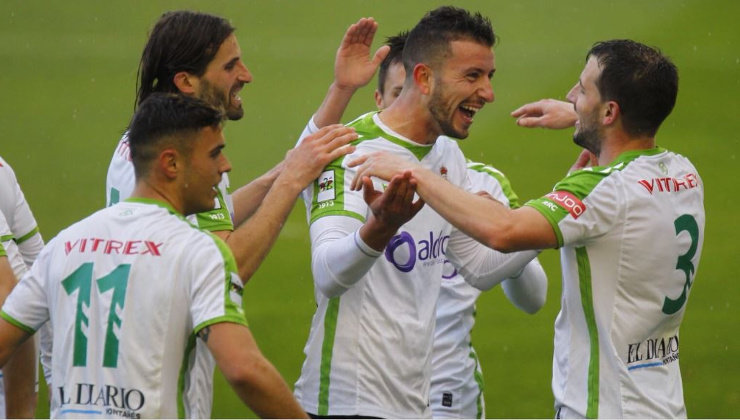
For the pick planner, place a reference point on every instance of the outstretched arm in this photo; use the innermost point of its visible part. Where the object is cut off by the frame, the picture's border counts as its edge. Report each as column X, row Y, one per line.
column 487, row 221
column 354, row 67
column 546, row 113
column 253, row 377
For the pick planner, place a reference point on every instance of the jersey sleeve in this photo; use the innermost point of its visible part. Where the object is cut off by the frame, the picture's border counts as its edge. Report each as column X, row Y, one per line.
column 216, row 291
column 489, row 179
column 27, row 305
column 120, row 180
column 14, row 206
column 581, row 207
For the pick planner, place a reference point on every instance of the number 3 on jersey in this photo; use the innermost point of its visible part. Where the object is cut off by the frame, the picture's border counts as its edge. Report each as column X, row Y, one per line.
column 686, row 223
column 81, row 281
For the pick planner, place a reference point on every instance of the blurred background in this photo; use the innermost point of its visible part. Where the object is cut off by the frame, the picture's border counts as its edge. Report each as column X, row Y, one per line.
column 68, row 84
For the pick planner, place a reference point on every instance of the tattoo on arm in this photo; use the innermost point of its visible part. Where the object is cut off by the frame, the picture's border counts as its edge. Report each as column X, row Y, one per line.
column 203, row 334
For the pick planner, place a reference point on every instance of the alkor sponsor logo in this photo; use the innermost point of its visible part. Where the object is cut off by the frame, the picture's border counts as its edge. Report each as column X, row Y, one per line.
column 568, row 201
column 652, row 352
column 669, row 184
column 112, row 246
column 403, row 251
column 111, row 400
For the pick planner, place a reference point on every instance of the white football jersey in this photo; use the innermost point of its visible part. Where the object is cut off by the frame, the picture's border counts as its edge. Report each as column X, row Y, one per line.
column 457, row 379
column 369, row 350
column 127, row 289
column 120, row 183
column 631, row 235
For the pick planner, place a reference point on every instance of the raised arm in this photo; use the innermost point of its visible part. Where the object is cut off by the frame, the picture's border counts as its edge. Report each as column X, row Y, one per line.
column 251, row 241
column 253, row 377
column 354, row 67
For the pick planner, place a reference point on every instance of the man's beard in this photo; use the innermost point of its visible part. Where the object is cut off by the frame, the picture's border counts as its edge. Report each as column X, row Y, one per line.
column 220, row 100
column 589, row 139
column 437, row 109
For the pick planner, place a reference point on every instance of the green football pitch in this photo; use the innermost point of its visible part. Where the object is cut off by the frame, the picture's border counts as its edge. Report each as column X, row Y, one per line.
column 67, row 86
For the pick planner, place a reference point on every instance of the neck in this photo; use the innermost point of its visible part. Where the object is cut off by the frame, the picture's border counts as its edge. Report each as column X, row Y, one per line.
column 147, row 189
column 409, row 117
column 615, row 145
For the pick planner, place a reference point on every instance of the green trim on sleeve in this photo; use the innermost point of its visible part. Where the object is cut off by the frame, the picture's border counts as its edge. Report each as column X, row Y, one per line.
column 2, row 251
column 552, row 212
column 233, row 288
column 6, row 238
column 502, row 180
column 28, row 235
column 4, row 315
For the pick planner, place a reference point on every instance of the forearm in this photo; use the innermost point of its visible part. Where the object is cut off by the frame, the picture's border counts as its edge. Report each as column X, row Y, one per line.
column 19, row 377
column 528, row 291
column 334, row 104
column 482, row 219
column 339, row 259
column 483, row 267
column 252, row 240
column 248, row 198
column 265, row 391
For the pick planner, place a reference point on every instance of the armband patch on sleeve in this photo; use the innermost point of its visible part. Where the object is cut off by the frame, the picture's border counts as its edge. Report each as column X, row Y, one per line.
column 567, row 201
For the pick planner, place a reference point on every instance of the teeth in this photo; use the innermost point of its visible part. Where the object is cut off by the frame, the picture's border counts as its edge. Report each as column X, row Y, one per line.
column 470, row 109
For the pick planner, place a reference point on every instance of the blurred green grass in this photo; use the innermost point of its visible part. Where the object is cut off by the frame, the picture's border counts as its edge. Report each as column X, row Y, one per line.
column 67, row 86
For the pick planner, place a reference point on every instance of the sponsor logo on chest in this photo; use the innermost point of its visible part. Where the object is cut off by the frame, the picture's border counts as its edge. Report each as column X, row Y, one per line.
column 403, row 251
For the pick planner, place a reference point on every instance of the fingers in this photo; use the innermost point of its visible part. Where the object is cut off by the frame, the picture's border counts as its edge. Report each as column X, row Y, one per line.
column 529, row 122
column 527, row 109
column 380, row 55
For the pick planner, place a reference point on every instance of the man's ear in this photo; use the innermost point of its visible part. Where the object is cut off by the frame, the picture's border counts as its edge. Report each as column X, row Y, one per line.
column 169, row 163
column 611, row 113
column 378, row 99
column 186, row 82
column 423, row 78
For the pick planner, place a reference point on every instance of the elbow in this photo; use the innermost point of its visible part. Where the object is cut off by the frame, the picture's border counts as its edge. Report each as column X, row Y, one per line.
column 535, row 304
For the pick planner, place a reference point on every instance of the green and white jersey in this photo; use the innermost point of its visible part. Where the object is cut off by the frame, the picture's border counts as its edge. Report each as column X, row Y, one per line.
column 631, row 235
column 369, row 349
column 457, row 380
column 20, row 220
column 127, row 289
column 120, row 183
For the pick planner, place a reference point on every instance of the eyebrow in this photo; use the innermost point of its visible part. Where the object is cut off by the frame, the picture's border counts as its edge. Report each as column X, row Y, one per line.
column 231, row 62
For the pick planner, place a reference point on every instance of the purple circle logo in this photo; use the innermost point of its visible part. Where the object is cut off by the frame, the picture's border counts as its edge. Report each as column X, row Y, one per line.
column 397, row 241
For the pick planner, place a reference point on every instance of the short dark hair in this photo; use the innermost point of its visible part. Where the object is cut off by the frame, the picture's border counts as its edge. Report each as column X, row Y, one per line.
column 395, row 55
column 180, row 41
column 642, row 80
column 167, row 120
column 429, row 41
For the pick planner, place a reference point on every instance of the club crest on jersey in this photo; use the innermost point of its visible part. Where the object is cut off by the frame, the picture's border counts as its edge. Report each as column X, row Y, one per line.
column 325, row 184
column 443, row 172
column 568, row 201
